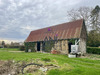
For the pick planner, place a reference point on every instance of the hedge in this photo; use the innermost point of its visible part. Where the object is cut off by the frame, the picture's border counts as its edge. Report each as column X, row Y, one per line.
column 93, row 50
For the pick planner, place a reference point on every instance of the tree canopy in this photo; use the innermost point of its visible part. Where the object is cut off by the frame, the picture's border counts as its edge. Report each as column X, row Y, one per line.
column 92, row 22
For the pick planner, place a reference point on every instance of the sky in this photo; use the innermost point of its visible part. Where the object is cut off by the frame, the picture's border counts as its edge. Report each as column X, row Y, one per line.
column 19, row 17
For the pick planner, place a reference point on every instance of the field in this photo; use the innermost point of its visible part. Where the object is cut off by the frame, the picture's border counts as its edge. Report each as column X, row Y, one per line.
column 89, row 65
column 9, row 49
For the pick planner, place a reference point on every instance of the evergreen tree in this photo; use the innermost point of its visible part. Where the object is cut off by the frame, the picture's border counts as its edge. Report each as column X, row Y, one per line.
column 95, row 18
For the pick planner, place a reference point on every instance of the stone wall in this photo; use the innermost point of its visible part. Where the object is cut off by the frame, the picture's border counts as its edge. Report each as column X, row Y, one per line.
column 62, row 46
column 83, row 39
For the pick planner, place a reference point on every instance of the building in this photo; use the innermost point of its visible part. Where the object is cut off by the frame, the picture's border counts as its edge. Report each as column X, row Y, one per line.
column 59, row 37
column 17, row 44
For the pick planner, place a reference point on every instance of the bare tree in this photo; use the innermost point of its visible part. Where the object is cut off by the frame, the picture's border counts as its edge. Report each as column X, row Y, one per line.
column 95, row 18
column 82, row 12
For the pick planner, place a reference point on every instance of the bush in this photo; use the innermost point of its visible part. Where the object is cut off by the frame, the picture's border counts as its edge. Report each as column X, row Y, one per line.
column 22, row 48
column 93, row 50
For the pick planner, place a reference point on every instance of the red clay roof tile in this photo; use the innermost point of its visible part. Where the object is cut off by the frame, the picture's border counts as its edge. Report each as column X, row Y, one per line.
column 62, row 31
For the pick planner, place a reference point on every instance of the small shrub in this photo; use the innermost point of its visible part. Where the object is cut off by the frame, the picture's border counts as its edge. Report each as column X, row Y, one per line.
column 93, row 50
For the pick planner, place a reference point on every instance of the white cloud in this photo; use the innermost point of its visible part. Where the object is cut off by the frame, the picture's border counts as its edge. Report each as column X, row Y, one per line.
column 73, row 2
column 27, row 29
column 19, row 17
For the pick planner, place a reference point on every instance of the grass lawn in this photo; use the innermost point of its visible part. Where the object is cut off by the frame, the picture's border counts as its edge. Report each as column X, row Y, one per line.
column 9, row 49
column 68, row 66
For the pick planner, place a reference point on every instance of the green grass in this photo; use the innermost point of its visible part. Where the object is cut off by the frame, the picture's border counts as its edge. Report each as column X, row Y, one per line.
column 9, row 49
column 68, row 66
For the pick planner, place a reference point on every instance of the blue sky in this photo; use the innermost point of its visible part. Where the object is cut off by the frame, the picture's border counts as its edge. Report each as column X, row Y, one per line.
column 19, row 17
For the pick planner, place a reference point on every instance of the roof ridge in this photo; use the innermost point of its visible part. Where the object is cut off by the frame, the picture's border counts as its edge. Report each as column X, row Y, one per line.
column 58, row 24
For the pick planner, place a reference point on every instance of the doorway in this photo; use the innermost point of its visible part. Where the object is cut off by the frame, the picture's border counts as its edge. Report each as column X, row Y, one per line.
column 38, row 46
column 69, row 46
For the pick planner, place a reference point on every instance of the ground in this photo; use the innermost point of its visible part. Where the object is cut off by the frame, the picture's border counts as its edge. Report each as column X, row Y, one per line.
column 58, row 64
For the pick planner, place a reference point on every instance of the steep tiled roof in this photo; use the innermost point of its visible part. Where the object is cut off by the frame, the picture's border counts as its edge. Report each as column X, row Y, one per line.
column 62, row 31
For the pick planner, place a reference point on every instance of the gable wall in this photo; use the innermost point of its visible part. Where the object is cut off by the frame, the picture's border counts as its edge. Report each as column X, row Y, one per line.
column 83, row 39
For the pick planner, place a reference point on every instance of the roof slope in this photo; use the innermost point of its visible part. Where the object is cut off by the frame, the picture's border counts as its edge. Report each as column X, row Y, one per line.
column 62, row 31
